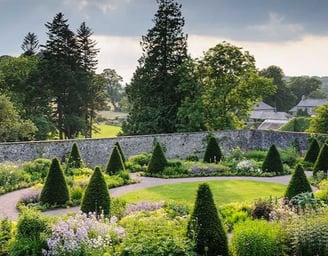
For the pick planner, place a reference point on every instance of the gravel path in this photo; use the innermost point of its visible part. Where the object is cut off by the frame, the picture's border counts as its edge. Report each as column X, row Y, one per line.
column 9, row 200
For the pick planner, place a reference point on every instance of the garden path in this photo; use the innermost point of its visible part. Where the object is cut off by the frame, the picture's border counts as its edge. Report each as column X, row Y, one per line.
column 8, row 201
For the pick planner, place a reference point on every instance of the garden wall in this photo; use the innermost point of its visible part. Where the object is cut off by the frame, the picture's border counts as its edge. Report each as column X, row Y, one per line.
column 97, row 151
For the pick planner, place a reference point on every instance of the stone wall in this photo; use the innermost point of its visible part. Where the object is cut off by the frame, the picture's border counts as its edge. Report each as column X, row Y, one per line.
column 178, row 145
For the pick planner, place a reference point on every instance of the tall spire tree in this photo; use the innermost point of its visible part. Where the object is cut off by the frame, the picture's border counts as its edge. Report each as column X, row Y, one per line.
column 30, row 44
column 153, row 93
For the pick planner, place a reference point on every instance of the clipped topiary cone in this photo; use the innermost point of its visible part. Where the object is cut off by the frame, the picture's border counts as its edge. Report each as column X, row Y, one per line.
column 158, row 160
column 213, row 152
column 115, row 163
column 117, row 144
column 321, row 164
column 272, row 161
column 313, row 152
column 298, row 183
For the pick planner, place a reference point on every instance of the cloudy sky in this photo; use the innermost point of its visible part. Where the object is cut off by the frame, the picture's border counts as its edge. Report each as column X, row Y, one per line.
column 292, row 34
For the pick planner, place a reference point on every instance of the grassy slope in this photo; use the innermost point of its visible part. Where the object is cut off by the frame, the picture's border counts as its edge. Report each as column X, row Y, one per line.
column 223, row 192
column 107, row 131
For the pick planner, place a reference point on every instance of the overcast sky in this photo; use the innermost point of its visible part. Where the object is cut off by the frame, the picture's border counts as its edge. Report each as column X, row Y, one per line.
column 292, row 34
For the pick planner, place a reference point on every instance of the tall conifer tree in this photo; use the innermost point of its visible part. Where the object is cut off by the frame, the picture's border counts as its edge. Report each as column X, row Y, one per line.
column 152, row 93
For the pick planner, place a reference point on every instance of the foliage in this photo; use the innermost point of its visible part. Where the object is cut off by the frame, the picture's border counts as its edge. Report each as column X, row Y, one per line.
column 115, row 163
column 84, row 234
column 234, row 213
column 13, row 127
column 319, row 123
column 213, row 152
column 158, row 160
column 262, row 209
column 155, row 234
column 257, row 155
column 272, row 161
column 30, row 44
column 303, row 86
column 321, row 164
column 38, row 169
column 298, row 183
column 152, row 93
column 297, row 124
column 96, row 196
column 313, row 151
column 305, row 202
column 257, row 237
column 74, row 159
column 117, row 144
column 114, row 88
column 205, row 227
column 6, row 234
column 247, row 166
column 192, row 158
column 322, row 192
column 141, row 159
column 55, row 190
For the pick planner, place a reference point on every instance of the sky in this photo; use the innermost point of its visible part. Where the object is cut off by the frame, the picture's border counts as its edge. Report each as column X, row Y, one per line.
column 291, row 34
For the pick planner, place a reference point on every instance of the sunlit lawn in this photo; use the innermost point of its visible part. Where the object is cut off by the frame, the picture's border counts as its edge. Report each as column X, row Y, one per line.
column 223, row 192
column 107, row 131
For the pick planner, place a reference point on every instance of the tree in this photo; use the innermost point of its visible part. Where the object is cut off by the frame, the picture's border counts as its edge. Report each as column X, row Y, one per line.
column 96, row 196
column 213, row 152
column 303, row 86
column 298, row 183
column 313, row 151
column 158, row 160
column 283, row 99
column 117, row 144
column 55, row 190
column 230, row 86
column 114, row 87
column 319, row 123
column 152, row 93
column 321, row 164
column 30, row 44
column 205, row 227
column 115, row 163
column 12, row 127
column 74, row 159
column 272, row 161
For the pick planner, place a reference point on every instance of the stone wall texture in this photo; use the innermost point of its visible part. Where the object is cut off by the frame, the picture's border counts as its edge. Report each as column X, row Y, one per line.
column 178, row 145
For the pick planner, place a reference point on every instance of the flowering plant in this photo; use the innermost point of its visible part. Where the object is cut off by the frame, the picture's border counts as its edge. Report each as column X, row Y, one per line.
column 247, row 166
column 84, row 234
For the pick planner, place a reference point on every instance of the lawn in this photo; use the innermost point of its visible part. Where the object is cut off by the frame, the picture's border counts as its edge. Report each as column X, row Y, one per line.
column 107, row 131
column 223, row 192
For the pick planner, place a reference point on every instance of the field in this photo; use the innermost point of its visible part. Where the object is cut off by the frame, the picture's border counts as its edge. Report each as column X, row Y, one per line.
column 107, row 131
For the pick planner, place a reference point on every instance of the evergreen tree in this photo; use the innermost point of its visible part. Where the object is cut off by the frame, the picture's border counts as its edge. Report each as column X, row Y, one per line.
column 313, row 151
column 74, row 159
column 205, row 227
column 117, row 144
column 272, row 161
column 55, row 190
column 298, row 183
column 115, row 163
column 30, row 44
column 96, row 196
column 321, row 164
column 213, row 152
column 158, row 160
column 152, row 93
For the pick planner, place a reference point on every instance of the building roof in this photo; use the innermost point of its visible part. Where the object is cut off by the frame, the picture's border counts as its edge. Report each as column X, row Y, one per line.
column 272, row 124
column 263, row 115
column 261, row 106
column 311, row 102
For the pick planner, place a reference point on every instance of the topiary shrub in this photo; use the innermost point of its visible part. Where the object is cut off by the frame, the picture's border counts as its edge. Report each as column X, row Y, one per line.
column 158, row 160
column 96, row 196
column 272, row 161
column 313, row 151
column 74, row 159
column 298, row 183
column 117, row 144
column 213, row 152
column 205, row 227
column 55, row 190
column 115, row 163
column 321, row 164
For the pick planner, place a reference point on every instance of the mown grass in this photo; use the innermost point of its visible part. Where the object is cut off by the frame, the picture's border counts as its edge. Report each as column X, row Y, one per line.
column 223, row 192
column 107, row 131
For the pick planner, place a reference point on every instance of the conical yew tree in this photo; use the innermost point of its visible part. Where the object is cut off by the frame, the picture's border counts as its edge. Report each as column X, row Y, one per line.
column 298, row 183
column 313, row 152
column 158, row 160
column 205, row 227
column 55, row 190
column 321, row 164
column 117, row 144
column 115, row 163
column 272, row 161
column 96, row 196
column 74, row 159
column 213, row 152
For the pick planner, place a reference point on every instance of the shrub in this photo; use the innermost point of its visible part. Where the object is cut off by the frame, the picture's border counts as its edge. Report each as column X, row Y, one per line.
column 234, row 213
column 192, row 158
column 257, row 237
column 257, row 155
column 321, row 164
column 205, row 227
column 262, row 209
column 141, row 159
column 12, row 177
column 117, row 144
column 322, row 193
column 313, row 151
column 74, row 159
column 55, row 190
column 115, row 163
column 298, row 183
column 96, row 196
column 158, row 160
column 213, row 152
column 38, row 169
column 6, row 234
column 272, row 161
